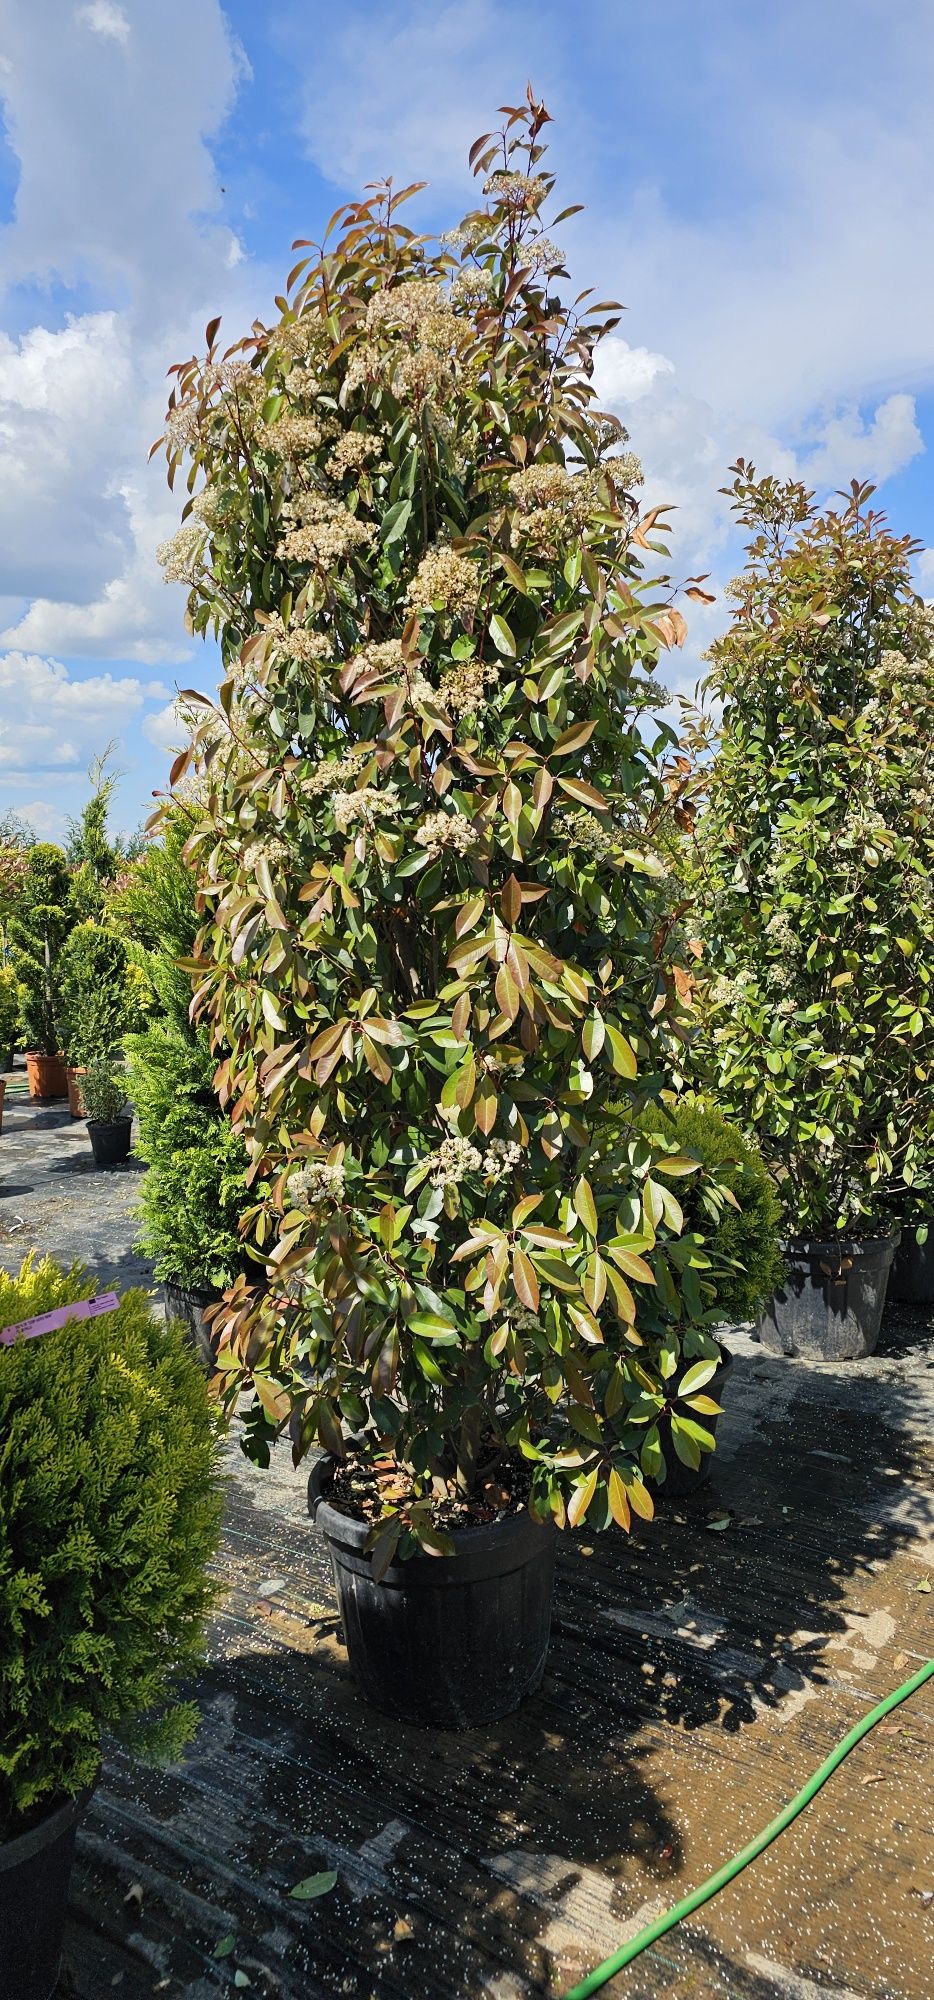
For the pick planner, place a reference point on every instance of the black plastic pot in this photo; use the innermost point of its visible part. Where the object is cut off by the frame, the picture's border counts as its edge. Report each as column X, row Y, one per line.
column 34, row 1875
column 830, row 1305
column 911, row 1279
column 448, row 1641
column 110, row 1143
column 681, row 1480
column 189, row 1306
column 7, row 1057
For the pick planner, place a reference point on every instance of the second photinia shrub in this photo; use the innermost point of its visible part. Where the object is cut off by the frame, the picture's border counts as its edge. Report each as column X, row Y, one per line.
column 424, row 814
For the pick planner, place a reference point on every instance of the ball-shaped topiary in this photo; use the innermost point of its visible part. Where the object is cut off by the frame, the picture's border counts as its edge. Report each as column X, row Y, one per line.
column 109, row 1513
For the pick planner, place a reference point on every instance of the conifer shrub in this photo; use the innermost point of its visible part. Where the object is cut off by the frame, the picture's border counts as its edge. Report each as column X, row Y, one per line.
column 96, row 1002
column 37, row 927
column 731, row 1203
column 424, row 814
column 109, row 1514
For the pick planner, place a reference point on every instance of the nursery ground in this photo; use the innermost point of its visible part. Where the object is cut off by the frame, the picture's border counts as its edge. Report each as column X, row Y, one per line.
column 699, row 1672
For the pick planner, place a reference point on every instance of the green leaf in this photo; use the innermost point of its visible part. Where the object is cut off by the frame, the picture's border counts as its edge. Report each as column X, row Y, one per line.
column 502, row 636
column 395, row 521
column 314, row 1885
column 622, row 1056
column 697, row 1376
column 225, row 1947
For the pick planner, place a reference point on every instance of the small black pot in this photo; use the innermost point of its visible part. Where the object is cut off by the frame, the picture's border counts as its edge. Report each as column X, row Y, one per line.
column 7, row 1059
column 681, row 1479
column 110, row 1143
column 911, row 1279
column 189, row 1306
column 830, row 1305
column 34, row 1874
column 448, row 1641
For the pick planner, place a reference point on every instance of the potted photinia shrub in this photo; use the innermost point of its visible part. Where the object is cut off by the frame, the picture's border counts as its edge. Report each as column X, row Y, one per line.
column 109, row 1514
column 110, row 1124
column 9, row 1015
column 815, row 856
column 427, row 807
column 38, row 926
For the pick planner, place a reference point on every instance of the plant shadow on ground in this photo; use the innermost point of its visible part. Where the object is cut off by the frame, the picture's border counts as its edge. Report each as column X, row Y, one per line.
column 499, row 1851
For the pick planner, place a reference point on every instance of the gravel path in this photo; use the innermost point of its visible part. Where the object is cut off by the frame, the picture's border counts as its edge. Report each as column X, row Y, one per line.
column 54, row 1199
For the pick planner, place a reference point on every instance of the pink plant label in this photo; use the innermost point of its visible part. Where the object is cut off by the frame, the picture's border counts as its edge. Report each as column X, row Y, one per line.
column 30, row 1329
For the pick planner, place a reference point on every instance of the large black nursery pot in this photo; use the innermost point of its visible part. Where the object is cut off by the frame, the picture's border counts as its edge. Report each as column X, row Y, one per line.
column 34, row 1874
column 449, row 1641
column 911, row 1279
column 110, row 1143
column 681, row 1480
column 189, row 1304
column 830, row 1305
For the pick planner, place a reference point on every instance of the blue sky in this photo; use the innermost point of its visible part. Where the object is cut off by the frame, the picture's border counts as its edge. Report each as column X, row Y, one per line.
column 760, row 191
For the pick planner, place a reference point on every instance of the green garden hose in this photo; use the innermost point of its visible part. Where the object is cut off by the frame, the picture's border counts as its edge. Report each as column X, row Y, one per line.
column 655, row 1930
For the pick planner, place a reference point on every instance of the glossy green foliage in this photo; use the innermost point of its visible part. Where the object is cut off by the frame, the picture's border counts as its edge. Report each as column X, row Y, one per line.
column 424, row 815
column 9, row 1008
column 815, row 860
column 109, row 1514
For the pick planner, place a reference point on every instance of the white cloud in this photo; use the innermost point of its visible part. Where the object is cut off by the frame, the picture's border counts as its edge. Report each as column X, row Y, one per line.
column 626, row 373
column 165, row 730
column 846, row 447
column 51, row 721
column 104, row 18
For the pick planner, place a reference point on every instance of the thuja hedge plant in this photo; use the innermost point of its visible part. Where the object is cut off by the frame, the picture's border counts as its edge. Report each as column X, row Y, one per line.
column 429, row 796
column 814, row 860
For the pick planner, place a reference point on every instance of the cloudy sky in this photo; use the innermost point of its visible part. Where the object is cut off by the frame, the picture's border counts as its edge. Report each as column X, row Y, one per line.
column 760, row 191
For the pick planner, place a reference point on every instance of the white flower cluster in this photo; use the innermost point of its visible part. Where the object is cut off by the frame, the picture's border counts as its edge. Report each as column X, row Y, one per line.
column 423, row 361
column 501, row 1159
column 362, row 807
column 444, row 578
column 454, row 1159
column 353, row 450
column 182, row 557
column 472, row 285
column 517, row 190
column 297, row 642
column 781, row 933
column 334, row 772
column 539, row 253
column 462, row 688
column 326, row 532
column 317, row 1182
column 290, row 436
column 451, row 832
column 269, row 849
column 303, row 339
column 553, row 502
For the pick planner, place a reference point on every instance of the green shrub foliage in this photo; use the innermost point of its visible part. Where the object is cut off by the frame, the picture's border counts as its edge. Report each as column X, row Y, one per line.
column 731, row 1204
column 9, row 1008
column 37, row 926
column 95, row 998
column 194, row 1193
column 424, row 818
column 104, row 1092
column 109, row 1513
column 815, row 858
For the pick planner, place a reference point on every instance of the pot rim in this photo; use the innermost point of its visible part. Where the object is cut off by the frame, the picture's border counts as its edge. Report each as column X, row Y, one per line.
column 53, row 1824
column 845, row 1246
column 108, row 1124
column 350, row 1533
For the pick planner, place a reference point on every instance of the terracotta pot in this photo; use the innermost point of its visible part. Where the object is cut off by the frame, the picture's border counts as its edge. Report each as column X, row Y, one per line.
column 48, row 1076
column 75, row 1099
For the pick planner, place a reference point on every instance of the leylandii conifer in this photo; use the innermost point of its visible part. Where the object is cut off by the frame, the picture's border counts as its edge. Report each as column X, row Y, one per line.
column 423, row 818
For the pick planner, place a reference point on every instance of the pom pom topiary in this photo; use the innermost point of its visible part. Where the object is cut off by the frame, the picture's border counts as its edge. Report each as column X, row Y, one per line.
column 109, row 1514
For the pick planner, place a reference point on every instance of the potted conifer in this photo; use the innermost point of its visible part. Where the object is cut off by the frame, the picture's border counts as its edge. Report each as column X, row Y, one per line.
column 110, row 1124
column 109, row 1514
column 427, row 956
column 37, row 928
column 815, row 862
